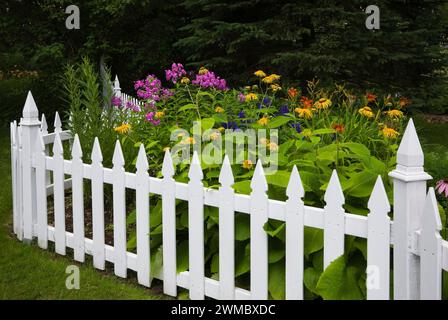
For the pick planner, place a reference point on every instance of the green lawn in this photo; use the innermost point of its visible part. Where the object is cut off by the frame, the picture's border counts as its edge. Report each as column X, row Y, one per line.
column 28, row 272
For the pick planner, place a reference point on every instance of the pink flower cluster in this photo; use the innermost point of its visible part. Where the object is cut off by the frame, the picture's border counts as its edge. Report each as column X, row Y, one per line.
column 116, row 102
column 150, row 117
column 151, row 89
column 210, row 80
column 131, row 106
column 177, row 71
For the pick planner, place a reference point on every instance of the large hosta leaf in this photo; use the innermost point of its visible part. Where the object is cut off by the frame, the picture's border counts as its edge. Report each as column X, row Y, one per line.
column 277, row 280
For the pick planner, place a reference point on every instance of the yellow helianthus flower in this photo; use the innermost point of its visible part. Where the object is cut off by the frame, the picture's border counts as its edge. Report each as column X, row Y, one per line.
column 247, row 164
column 366, row 112
column 202, row 70
column 189, row 140
column 260, row 74
column 251, row 96
column 185, row 80
column 124, row 128
column 394, row 114
column 304, row 113
column 389, row 132
column 307, row 133
column 263, row 121
column 271, row 78
column 218, row 109
column 221, row 129
column 323, row 103
column 275, row 87
column 159, row 114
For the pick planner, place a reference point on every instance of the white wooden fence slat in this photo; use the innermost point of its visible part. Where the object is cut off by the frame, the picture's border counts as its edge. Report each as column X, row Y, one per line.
column 334, row 229
column 196, row 229
column 98, row 207
column 142, row 199
column 41, row 193
column 119, row 212
column 169, row 226
column 14, row 175
column 57, row 123
column 44, row 130
column 431, row 250
column 258, row 237
column 19, row 173
column 294, row 237
column 378, row 244
column 43, row 125
column 226, row 232
column 78, row 201
column 59, row 197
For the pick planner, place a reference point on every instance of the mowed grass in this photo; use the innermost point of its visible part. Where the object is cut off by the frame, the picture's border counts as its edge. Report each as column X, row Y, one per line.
column 28, row 272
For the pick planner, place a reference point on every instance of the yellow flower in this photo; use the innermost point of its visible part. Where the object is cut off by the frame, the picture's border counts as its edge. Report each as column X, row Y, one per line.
column 185, row 80
column 264, row 141
column 366, row 112
column 260, row 74
column 251, row 96
column 304, row 113
column 263, row 121
column 214, row 135
column 394, row 114
column 275, row 87
column 159, row 114
column 247, row 164
column 271, row 78
column 323, row 103
column 389, row 132
column 124, row 128
column 273, row 146
column 221, row 129
column 189, row 140
column 219, row 109
column 307, row 133
column 203, row 70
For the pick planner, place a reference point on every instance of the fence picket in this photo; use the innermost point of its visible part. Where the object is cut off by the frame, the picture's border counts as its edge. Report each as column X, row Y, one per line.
column 41, row 193
column 258, row 237
column 57, row 123
column 142, row 207
column 169, row 226
column 119, row 212
column 226, row 232
column 59, row 197
column 14, row 181
column 431, row 250
column 196, row 229
column 294, row 237
column 378, row 244
column 98, row 207
column 78, row 201
column 20, row 183
column 334, row 229
column 44, row 130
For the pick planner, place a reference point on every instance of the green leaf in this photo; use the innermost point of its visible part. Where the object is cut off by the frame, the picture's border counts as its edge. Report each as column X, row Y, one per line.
column 278, row 121
column 313, row 239
column 277, row 280
column 356, row 148
column 182, row 256
column 360, row 184
column 156, row 262
column 323, row 131
column 242, row 227
column 310, row 278
column 207, row 123
column 276, row 250
column 280, row 178
column 339, row 282
column 242, row 187
column 242, row 258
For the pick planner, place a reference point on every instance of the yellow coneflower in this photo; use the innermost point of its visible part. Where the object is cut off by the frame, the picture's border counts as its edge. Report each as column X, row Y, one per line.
column 304, row 113
column 218, row 109
column 263, row 121
column 247, row 164
column 275, row 87
column 339, row 128
column 159, row 114
column 185, row 80
column 366, row 112
column 221, row 129
column 389, row 132
column 260, row 74
column 323, row 103
column 271, row 78
column 189, row 140
column 251, row 96
column 273, row 146
column 202, row 70
column 394, row 114
column 124, row 128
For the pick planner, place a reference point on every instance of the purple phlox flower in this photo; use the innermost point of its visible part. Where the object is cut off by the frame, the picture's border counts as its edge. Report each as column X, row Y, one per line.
column 442, row 187
column 131, row 106
column 150, row 117
column 138, row 84
column 151, row 90
column 241, row 97
column 210, row 80
column 116, row 101
column 176, row 72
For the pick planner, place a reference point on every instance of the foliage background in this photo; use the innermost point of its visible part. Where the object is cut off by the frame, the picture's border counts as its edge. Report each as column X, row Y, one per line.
column 299, row 40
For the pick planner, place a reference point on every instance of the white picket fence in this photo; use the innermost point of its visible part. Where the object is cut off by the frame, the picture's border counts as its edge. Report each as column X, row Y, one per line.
column 419, row 253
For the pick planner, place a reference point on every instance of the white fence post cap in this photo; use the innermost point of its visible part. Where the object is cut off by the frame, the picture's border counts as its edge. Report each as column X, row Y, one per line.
column 30, row 113
column 410, row 153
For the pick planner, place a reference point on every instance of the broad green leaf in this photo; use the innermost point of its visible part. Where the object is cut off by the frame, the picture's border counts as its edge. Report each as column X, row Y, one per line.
column 313, row 239
column 242, row 187
column 187, row 107
column 277, row 280
column 324, row 131
column 276, row 250
column 242, row 227
column 360, row 184
column 242, row 259
column 278, row 121
column 310, row 278
column 356, row 148
column 156, row 262
column 182, row 256
column 280, row 178
column 207, row 123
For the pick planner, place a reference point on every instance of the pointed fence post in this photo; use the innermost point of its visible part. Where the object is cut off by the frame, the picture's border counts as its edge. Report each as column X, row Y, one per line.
column 378, row 244
column 30, row 126
column 169, row 226
column 196, row 229
column 258, row 237
column 142, row 208
column 334, row 231
column 78, row 201
column 44, row 130
column 294, row 237
column 226, row 232
column 41, row 193
column 14, row 151
column 57, row 123
column 409, row 198
column 117, row 89
column 98, row 236
column 59, row 195
column 431, row 250
column 19, row 172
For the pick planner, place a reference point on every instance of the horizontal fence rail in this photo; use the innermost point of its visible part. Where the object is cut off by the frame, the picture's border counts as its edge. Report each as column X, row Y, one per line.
column 420, row 254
